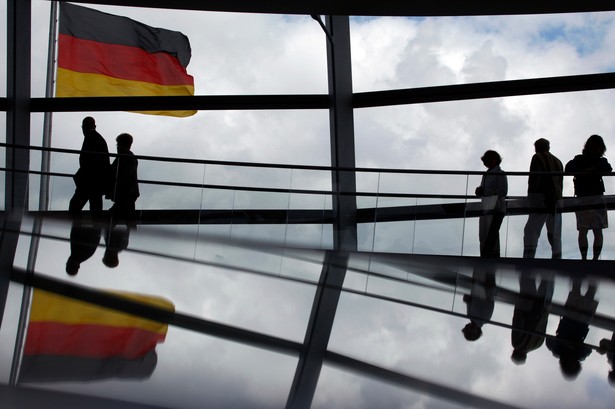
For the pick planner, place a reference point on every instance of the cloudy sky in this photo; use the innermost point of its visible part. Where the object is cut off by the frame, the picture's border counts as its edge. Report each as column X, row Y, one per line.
column 268, row 54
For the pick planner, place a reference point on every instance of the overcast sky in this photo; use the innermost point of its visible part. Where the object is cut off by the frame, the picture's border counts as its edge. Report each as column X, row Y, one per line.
column 234, row 54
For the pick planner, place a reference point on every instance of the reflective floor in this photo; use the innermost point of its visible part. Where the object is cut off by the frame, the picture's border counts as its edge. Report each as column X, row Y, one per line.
column 239, row 323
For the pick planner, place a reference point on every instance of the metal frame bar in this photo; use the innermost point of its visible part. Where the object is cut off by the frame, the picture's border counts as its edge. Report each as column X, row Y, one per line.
column 381, row 8
column 17, row 132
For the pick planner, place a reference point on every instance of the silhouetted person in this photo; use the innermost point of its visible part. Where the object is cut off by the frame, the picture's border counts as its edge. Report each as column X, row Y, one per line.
column 573, row 327
column 480, row 302
column 92, row 178
column 530, row 316
column 589, row 190
column 607, row 346
column 493, row 190
column 543, row 193
column 117, row 240
column 125, row 188
column 84, row 239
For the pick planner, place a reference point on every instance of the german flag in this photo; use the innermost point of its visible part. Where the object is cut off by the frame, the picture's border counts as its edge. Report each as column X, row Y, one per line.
column 101, row 54
column 71, row 340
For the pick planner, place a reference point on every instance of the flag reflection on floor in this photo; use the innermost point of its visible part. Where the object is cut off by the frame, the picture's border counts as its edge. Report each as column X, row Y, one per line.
column 71, row 340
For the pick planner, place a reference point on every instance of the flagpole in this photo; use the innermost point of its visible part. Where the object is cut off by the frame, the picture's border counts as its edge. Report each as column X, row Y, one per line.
column 43, row 202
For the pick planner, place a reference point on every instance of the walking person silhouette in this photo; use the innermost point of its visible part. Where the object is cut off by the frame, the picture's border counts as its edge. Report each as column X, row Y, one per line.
column 92, row 178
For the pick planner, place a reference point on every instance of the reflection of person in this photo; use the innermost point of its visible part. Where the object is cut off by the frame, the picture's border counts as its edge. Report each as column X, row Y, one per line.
column 92, row 178
column 116, row 240
column 492, row 190
column 84, row 240
column 589, row 190
column 543, row 194
column 125, row 188
column 530, row 316
column 608, row 347
column 480, row 303
column 568, row 344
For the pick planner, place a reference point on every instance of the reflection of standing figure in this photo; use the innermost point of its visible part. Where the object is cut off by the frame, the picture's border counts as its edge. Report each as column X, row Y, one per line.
column 543, row 193
column 92, row 178
column 608, row 347
column 568, row 344
column 530, row 317
column 589, row 190
column 84, row 240
column 117, row 240
column 125, row 189
column 480, row 303
column 493, row 190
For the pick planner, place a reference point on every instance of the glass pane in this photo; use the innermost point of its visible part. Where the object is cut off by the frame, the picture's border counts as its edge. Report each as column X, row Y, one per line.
column 198, row 276
column 403, row 332
column 232, row 53
column 393, row 53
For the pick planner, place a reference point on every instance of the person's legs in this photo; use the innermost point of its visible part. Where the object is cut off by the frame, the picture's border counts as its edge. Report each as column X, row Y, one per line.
column 123, row 212
column 583, row 243
column 491, row 246
column 531, row 233
column 79, row 199
column 598, row 241
column 554, row 234
column 96, row 205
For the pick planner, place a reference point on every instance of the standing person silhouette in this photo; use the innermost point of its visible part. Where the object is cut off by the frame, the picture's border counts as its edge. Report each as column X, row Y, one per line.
column 543, row 194
column 493, row 190
column 589, row 190
column 125, row 187
column 92, row 178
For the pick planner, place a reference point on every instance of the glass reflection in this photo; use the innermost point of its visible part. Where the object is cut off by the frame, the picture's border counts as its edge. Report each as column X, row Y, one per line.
column 480, row 302
column 84, row 240
column 72, row 341
column 530, row 316
column 398, row 321
column 568, row 345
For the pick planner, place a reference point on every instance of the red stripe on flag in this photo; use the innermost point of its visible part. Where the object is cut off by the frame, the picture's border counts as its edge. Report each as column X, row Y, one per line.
column 119, row 61
column 48, row 338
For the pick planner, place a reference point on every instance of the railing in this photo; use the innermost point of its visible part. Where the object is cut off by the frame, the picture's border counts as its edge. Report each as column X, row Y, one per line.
column 398, row 210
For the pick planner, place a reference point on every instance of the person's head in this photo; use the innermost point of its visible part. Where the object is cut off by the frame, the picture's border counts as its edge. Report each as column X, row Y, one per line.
column 472, row 331
column 88, row 124
column 595, row 146
column 111, row 259
column 569, row 366
column 518, row 357
column 124, row 141
column 72, row 267
column 542, row 145
column 491, row 159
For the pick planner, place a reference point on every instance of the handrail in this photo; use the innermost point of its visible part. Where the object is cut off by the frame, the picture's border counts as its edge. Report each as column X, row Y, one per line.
column 296, row 191
column 292, row 166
